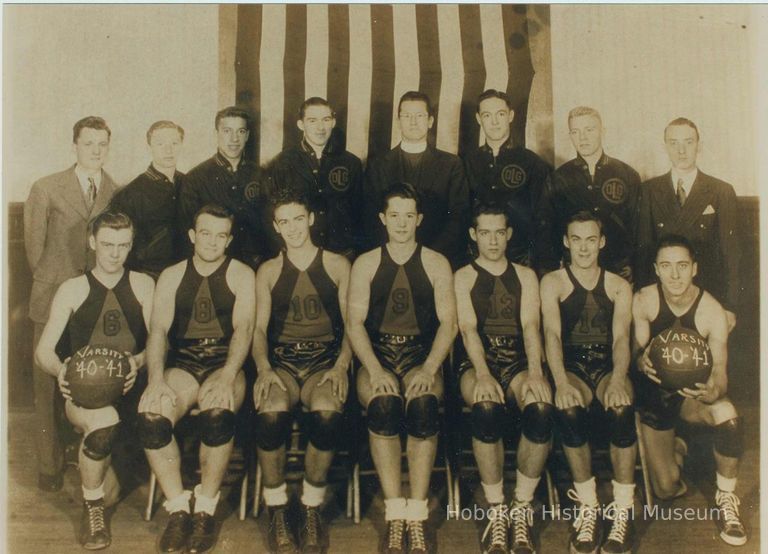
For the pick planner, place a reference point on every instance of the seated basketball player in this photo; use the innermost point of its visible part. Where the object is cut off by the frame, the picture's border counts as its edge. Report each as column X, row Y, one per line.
column 203, row 321
column 676, row 301
column 402, row 323
column 301, row 357
column 498, row 307
column 108, row 306
column 587, row 313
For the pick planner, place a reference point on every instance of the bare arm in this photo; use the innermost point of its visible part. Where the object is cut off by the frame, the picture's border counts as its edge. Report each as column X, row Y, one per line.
column 622, row 317
column 553, row 342
column 260, row 348
column 713, row 319
column 61, row 310
column 530, row 310
column 341, row 270
column 145, row 289
column 357, row 310
column 641, row 322
column 445, row 306
column 243, row 283
column 163, row 308
column 463, row 282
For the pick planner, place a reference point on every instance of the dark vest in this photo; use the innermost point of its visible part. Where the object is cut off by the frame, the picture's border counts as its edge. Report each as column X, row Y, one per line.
column 666, row 319
column 587, row 315
column 496, row 300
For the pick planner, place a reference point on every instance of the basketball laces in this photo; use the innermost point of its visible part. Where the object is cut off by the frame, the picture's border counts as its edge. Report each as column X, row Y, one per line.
column 396, row 529
column 497, row 526
column 312, row 524
column 620, row 518
column 416, row 535
column 586, row 520
column 728, row 503
column 522, row 521
column 96, row 517
column 283, row 536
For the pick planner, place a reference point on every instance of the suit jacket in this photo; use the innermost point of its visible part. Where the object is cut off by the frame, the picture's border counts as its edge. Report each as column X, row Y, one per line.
column 444, row 199
column 709, row 219
column 56, row 234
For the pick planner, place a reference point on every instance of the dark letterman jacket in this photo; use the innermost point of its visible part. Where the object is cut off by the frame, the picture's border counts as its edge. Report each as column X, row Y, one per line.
column 241, row 191
column 150, row 200
column 333, row 184
column 613, row 195
column 513, row 180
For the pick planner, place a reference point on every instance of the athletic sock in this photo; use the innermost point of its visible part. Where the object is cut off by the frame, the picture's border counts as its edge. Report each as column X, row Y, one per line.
column 277, row 496
column 494, row 494
column 178, row 504
column 395, row 508
column 587, row 491
column 525, row 486
column 726, row 484
column 94, row 494
column 205, row 503
column 623, row 494
column 417, row 510
column 312, row 495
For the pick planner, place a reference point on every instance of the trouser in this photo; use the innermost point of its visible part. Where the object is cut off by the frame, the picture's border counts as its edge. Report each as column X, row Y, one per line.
column 48, row 407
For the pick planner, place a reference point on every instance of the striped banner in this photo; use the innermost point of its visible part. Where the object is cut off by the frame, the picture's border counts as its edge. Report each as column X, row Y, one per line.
column 362, row 58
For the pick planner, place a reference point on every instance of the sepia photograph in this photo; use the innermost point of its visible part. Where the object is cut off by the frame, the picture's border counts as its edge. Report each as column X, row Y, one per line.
column 397, row 278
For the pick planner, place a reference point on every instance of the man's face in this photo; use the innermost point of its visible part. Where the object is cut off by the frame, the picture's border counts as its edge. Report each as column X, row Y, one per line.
column 232, row 134
column 112, row 247
column 586, row 134
column 491, row 235
column 495, row 117
column 317, row 125
column 211, row 236
column 584, row 240
column 675, row 269
column 165, row 145
column 415, row 122
column 91, row 148
column 401, row 219
column 682, row 147
column 292, row 222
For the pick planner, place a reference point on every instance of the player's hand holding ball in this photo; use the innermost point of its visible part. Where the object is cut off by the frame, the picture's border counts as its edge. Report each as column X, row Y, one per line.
column 130, row 379
column 96, row 376
column 62, row 379
column 707, row 392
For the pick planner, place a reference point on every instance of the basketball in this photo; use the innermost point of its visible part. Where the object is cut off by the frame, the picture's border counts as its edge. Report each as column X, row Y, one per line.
column 96, row 376
column 681, row 358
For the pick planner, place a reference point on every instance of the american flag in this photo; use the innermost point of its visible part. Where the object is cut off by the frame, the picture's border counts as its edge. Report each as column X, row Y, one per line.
column 362, row 58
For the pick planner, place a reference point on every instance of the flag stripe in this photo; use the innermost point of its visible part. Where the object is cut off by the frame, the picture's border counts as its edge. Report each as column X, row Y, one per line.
column 406, row 59
column 248, row 92
column 520, row 66
column 494, row 53
column 384, row 77
column 316, row 68
column 474, row 75
column 452, row 84
column 271, row 78
column 361, row 66
column 338, row 62
column 429, row 54
column 293, row 68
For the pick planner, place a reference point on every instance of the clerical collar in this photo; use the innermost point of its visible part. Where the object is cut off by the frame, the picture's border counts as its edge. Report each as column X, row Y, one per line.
column 413, row 148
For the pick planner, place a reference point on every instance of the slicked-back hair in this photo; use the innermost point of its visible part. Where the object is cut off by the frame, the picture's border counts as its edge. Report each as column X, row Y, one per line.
column 581, row 111
column 401, row 190
column 670, row 241
column 488, row 209
column 233, row 111
column 111, row 220
column 216, row 211
column 415, row 96
column 583, row 216
column 164, row 124
column 681, row 121
column 314, row 101
column 289, row 196
column 493, row 93
column 90, row 122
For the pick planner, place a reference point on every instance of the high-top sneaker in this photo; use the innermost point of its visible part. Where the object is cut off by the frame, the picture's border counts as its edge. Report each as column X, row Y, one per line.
column 394, row 539
column 94, row 534
column 521, row 523
column 494, row 539
column 731, row 528
column 585, row 531
column 312, row 533
column 417, row 538
column 281, row 539
column 619, row 540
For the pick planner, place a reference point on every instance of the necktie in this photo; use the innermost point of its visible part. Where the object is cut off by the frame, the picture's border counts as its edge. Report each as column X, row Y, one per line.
column 680, row 193
column 91, row 192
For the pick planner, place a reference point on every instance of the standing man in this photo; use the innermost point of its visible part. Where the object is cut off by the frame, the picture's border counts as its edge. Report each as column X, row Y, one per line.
column 677, row 301
column 597, row 183
column 703, row 209
column 587, row 313
column 56, row 218
column 503, row 174
column 150, row 201
column 327, row 175
column 231, row 181
column 498, row 305
column 437, row 176
column 202, row 320
column 302, row 356
column 402, row 323
column 108, row 306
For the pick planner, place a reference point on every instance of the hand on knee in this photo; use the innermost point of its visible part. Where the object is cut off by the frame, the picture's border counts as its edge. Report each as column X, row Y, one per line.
column 487, row 421
column 272, row 429
column 97, row 445
column 385, row 415
column 325, row 429
column 155, row 430
column 422, row 417
column 537, row 422
column 574, row 426
column 217, row 426
column 621, row 420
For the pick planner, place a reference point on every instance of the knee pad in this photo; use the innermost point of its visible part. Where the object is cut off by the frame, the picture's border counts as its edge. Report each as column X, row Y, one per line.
column 487, row 421
column 217, row 426
column 622, row 426
column 422, row 417
column 324, row 429
column 729, row 438
column 272, row 429
column 574, row 426
column 155, row 430
column 537, row 422
column 97, row 445
column 385, row 415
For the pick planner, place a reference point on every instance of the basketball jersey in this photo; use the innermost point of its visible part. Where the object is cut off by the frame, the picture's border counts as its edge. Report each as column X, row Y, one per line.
column 204, row 305
column 496, row 300
column 666, row 318
column 402, row 298
column 305, row 304
column 587, row 315
column 107, row 317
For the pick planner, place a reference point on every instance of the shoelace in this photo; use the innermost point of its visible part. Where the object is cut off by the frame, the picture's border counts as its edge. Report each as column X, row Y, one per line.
column 586, row 521
column 281, row 525
column 396, row 529
column 620, row 517
column 728, row 503
column 312, row 524
column 416, row 535
column 96, row 518
column 497, row 526
column 522, row 521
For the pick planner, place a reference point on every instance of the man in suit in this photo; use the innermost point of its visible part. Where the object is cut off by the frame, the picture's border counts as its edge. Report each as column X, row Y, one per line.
column 57, row 214
column 437, row 176
column 685, row 201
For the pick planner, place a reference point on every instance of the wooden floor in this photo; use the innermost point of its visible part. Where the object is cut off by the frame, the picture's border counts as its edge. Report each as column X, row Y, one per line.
column 47, row 522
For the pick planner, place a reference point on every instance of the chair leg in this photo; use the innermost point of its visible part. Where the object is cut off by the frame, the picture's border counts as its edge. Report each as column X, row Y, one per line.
column 257, row 491
column 244, row 492
column 356, row 492
column 456, row 494
column 648, row 490
column 551, row 492
column 350, row 495
column 150, row 496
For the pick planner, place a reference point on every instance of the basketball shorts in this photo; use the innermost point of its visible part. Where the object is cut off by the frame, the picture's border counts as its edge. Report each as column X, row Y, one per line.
column 505, row 357
column 200, row 357
column 399, row 353
column 303, row 359
column 658, row 408
column 589, row 362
